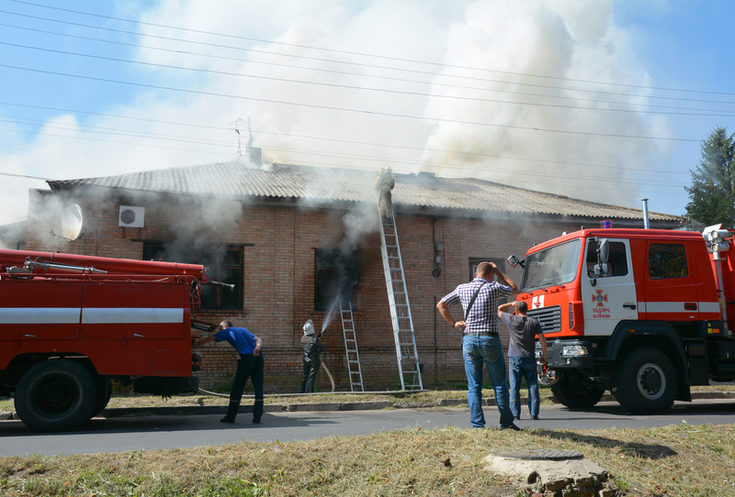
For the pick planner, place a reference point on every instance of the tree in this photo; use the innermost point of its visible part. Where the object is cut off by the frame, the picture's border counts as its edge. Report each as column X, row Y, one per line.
column 712, row 194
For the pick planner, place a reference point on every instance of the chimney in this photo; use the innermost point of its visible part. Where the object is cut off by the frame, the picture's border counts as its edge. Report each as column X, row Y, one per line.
column 646, row 221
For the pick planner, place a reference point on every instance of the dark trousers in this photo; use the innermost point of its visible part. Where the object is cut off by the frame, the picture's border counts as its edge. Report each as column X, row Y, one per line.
column 251, row 367
column 307, row 381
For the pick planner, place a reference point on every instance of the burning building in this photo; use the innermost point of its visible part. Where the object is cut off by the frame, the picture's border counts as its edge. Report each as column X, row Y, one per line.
column 289, row 242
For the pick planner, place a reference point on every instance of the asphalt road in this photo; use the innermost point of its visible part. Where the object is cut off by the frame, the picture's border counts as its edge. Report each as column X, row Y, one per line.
column 167, row 432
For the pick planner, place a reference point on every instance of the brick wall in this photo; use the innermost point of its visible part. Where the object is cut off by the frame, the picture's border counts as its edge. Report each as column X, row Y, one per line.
column 279, row 278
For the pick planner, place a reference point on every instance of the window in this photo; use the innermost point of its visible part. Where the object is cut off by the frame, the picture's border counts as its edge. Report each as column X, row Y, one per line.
column 500, row 263
column 555, row 265
column 224, row 264
column 667, row 261
column 475, row 261
column 335, row 278
column 617, row 259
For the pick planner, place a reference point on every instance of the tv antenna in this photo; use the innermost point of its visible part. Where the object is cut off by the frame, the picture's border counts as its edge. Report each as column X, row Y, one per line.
column 236, row 122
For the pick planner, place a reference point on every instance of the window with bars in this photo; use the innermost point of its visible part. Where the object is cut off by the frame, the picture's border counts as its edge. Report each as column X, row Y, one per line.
column 224, row 264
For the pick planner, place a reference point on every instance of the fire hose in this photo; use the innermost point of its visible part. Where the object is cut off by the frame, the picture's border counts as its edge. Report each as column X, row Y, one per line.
column 207, row 392
column 329, row 374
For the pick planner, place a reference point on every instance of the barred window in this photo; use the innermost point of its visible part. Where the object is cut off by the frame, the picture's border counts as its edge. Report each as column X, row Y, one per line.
column 224, row 264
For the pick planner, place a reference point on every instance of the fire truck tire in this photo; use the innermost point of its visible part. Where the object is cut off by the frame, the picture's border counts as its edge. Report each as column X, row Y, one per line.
column 645, row 382
column 59, row 394
column 571, row 391
column 104, row 393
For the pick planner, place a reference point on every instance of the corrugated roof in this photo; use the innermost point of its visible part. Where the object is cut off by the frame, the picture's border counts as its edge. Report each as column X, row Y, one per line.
column 324, row 185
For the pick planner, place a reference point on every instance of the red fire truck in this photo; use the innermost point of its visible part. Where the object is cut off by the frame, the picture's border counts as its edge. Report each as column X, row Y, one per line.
column 640, row 312
column 69, row 324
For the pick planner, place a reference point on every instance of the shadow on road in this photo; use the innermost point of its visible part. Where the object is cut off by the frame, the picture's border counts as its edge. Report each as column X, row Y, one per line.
column 158, row 424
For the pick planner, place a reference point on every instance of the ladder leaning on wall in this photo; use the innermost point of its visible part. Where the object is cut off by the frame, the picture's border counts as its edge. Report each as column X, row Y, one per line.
column 400, row 309
column 353, row 356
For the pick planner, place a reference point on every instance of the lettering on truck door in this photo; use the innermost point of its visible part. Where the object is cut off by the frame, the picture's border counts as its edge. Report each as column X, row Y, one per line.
column 613, row 296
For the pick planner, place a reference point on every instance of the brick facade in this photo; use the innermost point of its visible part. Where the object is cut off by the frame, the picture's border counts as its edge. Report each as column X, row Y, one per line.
column 278, row 246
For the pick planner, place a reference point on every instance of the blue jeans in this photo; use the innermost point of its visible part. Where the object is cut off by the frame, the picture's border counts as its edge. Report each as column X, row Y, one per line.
column 520, row 368
column 248, row 366
column 488, row 350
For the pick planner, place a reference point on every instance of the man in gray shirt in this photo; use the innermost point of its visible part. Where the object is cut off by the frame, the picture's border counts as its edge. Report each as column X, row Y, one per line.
column 522, row 355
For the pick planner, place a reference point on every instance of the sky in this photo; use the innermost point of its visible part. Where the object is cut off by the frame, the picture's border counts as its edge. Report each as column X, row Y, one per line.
column 601, row 100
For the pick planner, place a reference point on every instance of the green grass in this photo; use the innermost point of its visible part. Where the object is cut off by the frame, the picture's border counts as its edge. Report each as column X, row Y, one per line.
column 678, row 460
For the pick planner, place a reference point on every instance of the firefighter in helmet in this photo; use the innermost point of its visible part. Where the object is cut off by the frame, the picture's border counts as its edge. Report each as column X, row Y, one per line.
column 384, row 183
column 312, row 356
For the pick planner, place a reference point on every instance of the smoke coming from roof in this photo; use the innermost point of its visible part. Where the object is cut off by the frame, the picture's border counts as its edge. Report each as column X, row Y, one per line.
column 493, row 89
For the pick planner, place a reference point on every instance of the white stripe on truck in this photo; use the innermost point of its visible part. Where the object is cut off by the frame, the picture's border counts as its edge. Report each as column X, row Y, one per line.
column 91, row 315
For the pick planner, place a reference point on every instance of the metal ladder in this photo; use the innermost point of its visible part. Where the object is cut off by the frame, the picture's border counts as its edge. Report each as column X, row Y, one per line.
column 353, row 356
column 400, row 310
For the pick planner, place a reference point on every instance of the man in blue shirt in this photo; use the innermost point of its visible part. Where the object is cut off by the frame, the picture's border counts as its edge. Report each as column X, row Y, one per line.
column 250, row 365
column 481, row 342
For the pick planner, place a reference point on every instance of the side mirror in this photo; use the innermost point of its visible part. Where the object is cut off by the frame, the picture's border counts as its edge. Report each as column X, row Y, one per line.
column 602, row 251
column 513, row 261
column 602, row 269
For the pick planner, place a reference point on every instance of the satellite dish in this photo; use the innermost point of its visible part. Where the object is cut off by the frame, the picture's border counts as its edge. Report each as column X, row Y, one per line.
column 71, row 222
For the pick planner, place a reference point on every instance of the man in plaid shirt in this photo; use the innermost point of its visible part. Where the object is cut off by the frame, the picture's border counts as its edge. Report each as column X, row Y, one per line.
column 481, row 341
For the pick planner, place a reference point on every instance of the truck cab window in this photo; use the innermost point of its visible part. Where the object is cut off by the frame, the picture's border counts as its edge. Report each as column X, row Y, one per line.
column 667, row 260
column 617, row 259
column 552, row 266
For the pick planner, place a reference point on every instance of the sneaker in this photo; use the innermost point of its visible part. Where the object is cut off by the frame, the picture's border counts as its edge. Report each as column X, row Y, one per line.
column 256, row 421
column 535, row 418
column 518, row 418
column 227, row 419
column 511, row 426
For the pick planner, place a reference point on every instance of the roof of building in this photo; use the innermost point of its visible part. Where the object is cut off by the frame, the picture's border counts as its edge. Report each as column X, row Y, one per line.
column 238, row 180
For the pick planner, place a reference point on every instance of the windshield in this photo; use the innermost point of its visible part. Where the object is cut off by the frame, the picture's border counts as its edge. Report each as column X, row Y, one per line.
column 553, row 266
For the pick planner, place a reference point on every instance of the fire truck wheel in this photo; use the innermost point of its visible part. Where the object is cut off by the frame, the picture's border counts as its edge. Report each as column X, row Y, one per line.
column 645, row 382
column 104, row 393
column 59, row 394
column 571, row 391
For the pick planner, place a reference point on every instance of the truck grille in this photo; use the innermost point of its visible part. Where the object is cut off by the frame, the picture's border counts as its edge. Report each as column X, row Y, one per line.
column 549, row 317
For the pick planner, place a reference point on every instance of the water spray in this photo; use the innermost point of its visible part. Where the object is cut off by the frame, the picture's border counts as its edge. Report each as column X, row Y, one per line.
column 330, row 314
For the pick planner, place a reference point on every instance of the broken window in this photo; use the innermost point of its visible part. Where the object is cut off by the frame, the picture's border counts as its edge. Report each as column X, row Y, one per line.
column 335, row 278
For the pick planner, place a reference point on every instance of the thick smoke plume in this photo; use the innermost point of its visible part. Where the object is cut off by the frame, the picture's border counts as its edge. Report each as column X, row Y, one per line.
column 459, row 88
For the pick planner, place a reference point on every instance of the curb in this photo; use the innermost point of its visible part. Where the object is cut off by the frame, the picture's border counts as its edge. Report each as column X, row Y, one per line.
column 122, row 412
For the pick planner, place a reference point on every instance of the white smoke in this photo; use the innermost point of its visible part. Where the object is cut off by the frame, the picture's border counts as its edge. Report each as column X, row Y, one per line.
column 360, row 221
column 367, row 111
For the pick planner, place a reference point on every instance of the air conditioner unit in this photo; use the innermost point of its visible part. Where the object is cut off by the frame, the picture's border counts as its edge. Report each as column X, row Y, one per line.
column 131, row 217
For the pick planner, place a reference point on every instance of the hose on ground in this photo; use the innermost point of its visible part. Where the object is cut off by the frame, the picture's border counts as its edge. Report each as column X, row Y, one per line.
column 207, row 392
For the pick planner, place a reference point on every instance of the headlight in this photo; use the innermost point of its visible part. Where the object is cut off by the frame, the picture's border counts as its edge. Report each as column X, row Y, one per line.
column 574, row 351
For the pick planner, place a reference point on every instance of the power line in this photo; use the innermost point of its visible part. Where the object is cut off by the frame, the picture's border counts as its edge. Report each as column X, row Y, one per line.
column 349, row 142
column 25, row 176
column 396, row 92
column 362, row 54
column 357, row 111
column 344, row 62
column 364, row 158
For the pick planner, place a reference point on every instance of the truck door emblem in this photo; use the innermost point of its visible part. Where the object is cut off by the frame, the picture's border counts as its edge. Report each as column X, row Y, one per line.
column 599, row 298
